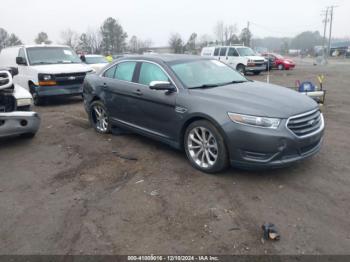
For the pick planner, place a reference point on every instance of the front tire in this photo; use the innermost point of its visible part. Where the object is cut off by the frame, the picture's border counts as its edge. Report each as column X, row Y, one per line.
column 280, row 67
column 205, row 147
column 37, row 100
column 241, row 69
column 99, row 117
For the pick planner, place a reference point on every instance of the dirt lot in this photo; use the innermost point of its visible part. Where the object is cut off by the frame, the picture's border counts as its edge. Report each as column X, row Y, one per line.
column 69, row 190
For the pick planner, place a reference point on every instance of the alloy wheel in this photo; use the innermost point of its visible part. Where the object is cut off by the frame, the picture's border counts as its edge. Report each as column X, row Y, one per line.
column 202, row 147
column 100, row 118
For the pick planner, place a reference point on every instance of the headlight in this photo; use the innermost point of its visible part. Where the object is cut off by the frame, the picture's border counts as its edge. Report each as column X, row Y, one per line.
column 24, row 102
column 45, row 77
column 264, row 122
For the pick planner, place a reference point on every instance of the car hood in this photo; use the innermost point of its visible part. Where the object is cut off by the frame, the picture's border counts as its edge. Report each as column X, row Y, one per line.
column 255, row 57
column 61, row 68
column 258, row 98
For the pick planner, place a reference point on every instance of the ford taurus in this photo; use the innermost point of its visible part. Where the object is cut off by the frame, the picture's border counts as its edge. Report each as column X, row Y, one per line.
column 207, row 108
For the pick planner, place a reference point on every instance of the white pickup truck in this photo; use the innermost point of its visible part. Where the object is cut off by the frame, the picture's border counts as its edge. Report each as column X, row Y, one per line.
column 15, row 105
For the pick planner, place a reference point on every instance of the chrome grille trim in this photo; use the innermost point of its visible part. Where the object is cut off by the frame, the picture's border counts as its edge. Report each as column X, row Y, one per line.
column 300, row 127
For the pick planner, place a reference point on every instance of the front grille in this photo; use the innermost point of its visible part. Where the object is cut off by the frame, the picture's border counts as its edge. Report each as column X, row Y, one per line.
column 70, row 79
column 7, row 103
column 305, row 124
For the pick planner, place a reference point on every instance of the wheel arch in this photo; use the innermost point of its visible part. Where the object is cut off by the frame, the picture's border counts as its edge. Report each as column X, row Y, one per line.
column 198, row 117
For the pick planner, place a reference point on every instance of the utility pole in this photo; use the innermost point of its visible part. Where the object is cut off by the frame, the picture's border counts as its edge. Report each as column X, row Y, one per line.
column 324, row 34
column 330, row 29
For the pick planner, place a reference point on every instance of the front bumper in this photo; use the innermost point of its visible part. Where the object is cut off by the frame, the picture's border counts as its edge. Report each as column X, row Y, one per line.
column 18, row 123
column 64, row 90
column 255, row 68
column 254, row 147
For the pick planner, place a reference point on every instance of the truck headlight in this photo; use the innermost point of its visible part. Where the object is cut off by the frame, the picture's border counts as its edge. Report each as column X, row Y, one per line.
column 45, row 77
column 258, row 121
column 24, row 102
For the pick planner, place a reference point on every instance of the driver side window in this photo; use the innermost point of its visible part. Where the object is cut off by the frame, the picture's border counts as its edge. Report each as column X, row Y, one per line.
column 151, row 72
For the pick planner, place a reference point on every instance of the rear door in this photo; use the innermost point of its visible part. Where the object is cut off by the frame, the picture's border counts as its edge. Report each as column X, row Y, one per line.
column 119, row 91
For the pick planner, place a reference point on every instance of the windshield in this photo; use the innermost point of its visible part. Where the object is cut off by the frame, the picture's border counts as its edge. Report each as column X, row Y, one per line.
column 245, row 51
column 95, row 60
column 51, row 55
column 201, row 73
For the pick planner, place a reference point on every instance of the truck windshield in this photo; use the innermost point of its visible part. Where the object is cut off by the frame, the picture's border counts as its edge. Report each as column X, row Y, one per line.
column 51, row 55
column 206, row 73
column 245, row 51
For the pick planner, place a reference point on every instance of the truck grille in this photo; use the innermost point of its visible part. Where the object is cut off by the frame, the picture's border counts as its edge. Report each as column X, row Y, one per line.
column 70, row 79
column 305, row 124
column 7, row 103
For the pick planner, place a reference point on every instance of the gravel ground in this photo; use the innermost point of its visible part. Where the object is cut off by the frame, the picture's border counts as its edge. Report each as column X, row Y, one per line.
column 71, row 191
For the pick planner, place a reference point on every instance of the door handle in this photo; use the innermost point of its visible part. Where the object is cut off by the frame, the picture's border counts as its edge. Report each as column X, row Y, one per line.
column 137, row 92
column 104, row 86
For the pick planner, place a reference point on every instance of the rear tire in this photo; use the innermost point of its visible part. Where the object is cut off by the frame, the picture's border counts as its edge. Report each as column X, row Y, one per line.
column 99, row 117
column 205, row 147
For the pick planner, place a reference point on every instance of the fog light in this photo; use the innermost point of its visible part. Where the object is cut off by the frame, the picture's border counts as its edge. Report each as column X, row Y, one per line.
column 24, row 122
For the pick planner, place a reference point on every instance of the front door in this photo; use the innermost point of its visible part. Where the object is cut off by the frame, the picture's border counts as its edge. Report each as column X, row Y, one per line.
column 156, row 109
column 119, row 90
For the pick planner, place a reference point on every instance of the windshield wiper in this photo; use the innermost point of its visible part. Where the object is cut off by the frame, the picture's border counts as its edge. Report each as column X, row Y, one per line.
column 204, row 86
column 234, row 82
column 42, row 63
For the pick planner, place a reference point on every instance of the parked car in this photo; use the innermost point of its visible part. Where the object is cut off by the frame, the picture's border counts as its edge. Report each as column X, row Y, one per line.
column 46, row 70
column 242, row 58
column 96, row 62
column 207, row 108
column 15, row 105
column 278, row 61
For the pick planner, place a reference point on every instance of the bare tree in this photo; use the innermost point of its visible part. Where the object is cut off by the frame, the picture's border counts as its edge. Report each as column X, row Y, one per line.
column 205, row 40
column 42, row 38
column 230, row 33
column 70, row 38
column 94, row 39
column 219, row 31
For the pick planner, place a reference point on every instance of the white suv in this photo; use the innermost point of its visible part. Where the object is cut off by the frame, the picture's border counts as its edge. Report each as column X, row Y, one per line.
column 46, row 70
column 242, row 58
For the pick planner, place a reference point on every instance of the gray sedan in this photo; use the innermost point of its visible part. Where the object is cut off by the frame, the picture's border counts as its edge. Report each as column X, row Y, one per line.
column 206, row 108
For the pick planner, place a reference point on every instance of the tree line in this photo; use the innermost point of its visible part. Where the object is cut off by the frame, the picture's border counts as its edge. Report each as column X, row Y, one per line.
column 111, row 38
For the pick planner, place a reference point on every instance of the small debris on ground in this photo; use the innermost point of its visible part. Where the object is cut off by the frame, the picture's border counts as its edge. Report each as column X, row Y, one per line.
column 140, row 181
column 234, row 229
column 154, row 193
column 124, row 156
column 270, row 232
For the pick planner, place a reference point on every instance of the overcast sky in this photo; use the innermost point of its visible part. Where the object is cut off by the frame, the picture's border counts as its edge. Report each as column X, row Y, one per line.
column 157, row 19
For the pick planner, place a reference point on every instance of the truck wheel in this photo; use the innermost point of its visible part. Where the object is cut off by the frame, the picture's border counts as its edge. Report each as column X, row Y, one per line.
column 241, row 69
column 38, row 101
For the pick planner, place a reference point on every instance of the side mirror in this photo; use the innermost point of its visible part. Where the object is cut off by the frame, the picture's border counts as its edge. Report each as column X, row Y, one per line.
column 21, row 61
column 162, row 85
column 5, row 79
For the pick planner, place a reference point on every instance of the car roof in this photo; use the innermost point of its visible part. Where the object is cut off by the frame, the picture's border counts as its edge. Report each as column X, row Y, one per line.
column 165, row 58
